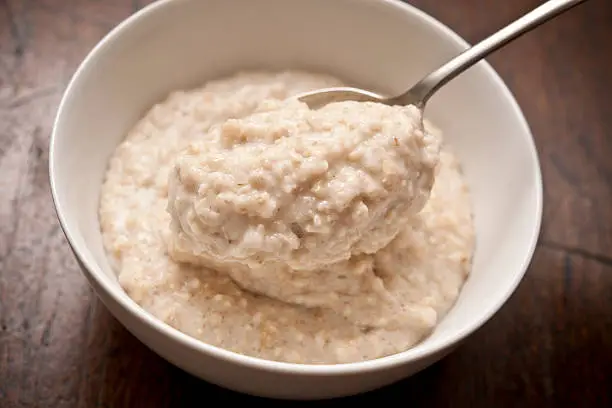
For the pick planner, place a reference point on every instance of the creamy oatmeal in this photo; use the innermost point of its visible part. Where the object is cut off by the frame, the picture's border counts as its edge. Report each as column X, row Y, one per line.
column 305, row 188
column 330, row 246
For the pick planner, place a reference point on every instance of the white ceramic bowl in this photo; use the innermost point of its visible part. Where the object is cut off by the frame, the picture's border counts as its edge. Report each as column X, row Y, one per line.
column 383, row 45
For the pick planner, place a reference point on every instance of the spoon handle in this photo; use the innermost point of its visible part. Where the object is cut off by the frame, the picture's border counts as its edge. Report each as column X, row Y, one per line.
column 425, row 88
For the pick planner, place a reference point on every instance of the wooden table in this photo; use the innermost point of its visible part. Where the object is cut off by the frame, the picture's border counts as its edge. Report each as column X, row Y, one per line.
column 550, row 346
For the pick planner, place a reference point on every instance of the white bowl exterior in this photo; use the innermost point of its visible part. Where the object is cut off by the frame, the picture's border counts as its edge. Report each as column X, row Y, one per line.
column 381, row 45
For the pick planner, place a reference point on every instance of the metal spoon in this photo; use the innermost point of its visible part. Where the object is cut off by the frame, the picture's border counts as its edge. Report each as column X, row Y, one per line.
column 420, row 93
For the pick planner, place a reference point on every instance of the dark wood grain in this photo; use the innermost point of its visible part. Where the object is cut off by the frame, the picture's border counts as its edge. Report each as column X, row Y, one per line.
column 550, row 346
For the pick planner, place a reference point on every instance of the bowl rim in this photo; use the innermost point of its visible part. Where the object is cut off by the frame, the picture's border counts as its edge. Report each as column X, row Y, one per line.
column 94, row 273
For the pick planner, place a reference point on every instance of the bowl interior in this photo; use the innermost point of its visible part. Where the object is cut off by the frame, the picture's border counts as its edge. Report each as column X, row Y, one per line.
column 381, row 45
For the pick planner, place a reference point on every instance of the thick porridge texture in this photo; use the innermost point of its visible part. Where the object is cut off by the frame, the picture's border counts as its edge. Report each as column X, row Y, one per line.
column 258, row 225
column 306, row 188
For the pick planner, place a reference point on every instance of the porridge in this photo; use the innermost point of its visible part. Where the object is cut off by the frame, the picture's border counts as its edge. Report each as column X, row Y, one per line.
column 347, row 243
column 286, row 199
column 290, row 184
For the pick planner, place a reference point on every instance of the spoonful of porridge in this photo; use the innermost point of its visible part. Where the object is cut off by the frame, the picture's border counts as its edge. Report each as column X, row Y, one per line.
column 420, row 93
column 300, row 187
